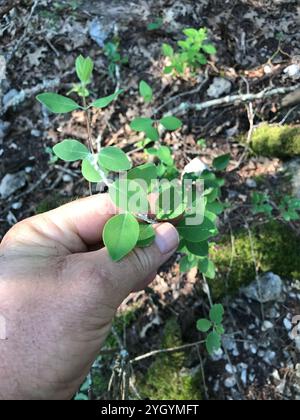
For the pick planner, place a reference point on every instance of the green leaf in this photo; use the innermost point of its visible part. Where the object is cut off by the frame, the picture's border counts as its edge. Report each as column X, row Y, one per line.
column 157, row 24
column 207, row 268
column 213, row 342
column 120, row 235
column 186, row 264
column 89, row 171
column 171, row 123
column 167, row 50
column 129, row 196
column 114, row 159
column 147, row 236
column 196, row 233
column 71, row 150
column 220, row 329
column 190, row 32
column 215, row 207
column 104, row 102
column 146, row 91
column 209, row 49
column 57, row 103
column 204, row 325
column 141, row 124
column 84, row 69
column 198, row 248
column 216, row 314
column 163, row 153
column 221, row 162
column 146, row 173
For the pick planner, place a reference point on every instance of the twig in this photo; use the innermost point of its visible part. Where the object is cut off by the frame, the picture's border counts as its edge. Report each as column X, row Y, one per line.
column 182, row 94
column 169, row 350
column 19, row 42
column 234, row 99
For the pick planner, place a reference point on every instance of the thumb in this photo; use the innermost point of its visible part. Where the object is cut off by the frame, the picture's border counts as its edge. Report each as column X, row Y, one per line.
column 137, row 270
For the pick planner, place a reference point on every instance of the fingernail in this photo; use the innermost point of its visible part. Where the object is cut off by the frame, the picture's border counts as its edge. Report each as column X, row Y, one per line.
column 167, row 238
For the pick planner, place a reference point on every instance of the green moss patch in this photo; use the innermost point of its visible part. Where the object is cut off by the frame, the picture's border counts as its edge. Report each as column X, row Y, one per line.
column 166, row 378
column 281, row 141
column 276, row 248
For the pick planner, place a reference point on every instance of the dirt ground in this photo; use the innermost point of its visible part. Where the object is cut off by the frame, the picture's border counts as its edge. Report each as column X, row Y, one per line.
column 256, row 40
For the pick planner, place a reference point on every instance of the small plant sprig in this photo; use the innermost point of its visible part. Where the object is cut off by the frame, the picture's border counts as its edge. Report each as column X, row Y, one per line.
column 192, row 52
column 114, row 57
column 132, row 227
column 214, row 325
column 288, row 207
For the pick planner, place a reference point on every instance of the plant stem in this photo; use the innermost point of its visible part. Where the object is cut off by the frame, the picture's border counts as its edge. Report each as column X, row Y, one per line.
column 88, row 125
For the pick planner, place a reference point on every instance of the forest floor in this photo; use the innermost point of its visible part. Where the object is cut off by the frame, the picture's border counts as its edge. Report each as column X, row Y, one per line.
column 257, row 40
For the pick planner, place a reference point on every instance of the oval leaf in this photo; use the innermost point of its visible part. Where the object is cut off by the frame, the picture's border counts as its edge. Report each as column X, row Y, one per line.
column 84, row 69
column 216, row 314
column 120, row 235
column 129, row 196
column 171, row 123
column 141, row 124
column 89, row 172
column 147, row 236
column 200, row 249
column 146, row 173
column 221, row 162
column 197, row 233
column 104, row 102
column 213, row 342
column 146, row 91
column 57, row 103
column 114, row 159
column 204, row 325
column 71, row 150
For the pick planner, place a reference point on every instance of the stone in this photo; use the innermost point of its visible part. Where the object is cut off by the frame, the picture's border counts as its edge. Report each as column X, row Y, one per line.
column 4, row 127
column 267, row 325
column 251, row 183
column 292, row 71
column 267, row 288
column 195, row 166
column 287, row 324
column 293, row 168
column 230, row 382
column 12, row 183
column 219, row 87
column 97, row 32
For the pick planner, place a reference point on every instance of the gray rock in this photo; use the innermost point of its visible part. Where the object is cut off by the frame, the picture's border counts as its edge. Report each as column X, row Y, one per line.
column 266, row 288
column 4, row 127
column 9, row 97
column 267, row 325
column 251, row 183
column 219, row 87
column 12, row 183
column 195, row 166
column 230, row 382
column 287, row 324
column 97, row 32
column 293, row 168
column 269, row 357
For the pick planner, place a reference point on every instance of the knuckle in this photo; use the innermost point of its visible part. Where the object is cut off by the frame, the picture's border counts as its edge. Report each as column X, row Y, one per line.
column 142, row 261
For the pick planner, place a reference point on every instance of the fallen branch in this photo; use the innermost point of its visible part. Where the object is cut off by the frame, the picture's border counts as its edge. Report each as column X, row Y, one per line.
column 21, row 96
column 169, row 350
column 234, row 99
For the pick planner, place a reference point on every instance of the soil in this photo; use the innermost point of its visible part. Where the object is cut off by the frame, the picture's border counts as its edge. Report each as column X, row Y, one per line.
column 249, row 35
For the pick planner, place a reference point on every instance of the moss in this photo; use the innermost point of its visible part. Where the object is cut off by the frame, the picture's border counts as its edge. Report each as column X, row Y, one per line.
column 276, row 141
column 51, row 202
column 276, row 249
column 166, row 378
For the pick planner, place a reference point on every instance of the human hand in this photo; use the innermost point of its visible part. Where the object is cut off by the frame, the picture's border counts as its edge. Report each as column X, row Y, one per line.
column 58, row 298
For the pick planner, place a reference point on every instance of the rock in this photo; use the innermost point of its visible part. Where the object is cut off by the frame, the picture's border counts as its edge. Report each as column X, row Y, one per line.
column 269, row 357
column 230, row 345
column 9, row 96
column 230, row 382
column 195, row 166
column 97, row 32
column 267, row 325
column 219, row 87
column 293, row 168
column 67, row 178
column 266, row 288
column 4, row 127
column 230, row 368
column 217, row 355
column 287, row 324
column 251, row 183
column 12, row 183
column 292, row 71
